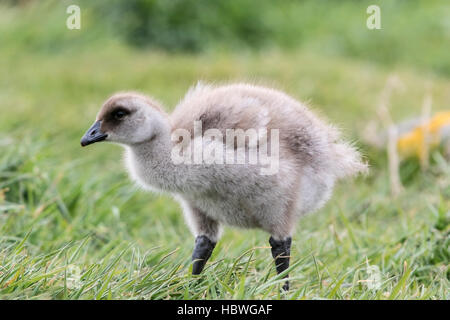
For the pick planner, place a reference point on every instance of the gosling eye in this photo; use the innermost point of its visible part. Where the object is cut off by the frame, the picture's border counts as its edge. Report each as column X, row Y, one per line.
column 119, row 114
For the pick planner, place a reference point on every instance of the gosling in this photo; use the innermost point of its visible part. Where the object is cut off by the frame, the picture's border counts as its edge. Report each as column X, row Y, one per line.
column 299, row 157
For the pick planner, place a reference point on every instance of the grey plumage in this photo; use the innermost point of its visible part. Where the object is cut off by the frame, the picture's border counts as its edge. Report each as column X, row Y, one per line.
column 312, row 157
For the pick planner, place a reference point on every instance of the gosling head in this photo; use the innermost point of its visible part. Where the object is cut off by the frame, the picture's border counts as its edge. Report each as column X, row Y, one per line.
column 128, row 119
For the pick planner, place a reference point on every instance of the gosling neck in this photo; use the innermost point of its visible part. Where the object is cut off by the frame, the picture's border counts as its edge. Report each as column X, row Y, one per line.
column 152, row 165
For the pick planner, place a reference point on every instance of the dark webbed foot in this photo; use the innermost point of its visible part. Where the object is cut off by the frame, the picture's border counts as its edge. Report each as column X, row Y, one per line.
column 281, row 250
column 202, row 251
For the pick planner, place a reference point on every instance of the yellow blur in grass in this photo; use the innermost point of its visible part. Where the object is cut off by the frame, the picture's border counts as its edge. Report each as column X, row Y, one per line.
column 428, row 135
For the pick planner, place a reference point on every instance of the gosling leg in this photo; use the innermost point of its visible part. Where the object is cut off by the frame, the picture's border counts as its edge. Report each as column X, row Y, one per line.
column 202, row 251
column 281, row 250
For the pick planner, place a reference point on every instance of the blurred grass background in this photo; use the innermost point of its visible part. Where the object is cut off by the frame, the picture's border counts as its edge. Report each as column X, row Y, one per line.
column 73, row 226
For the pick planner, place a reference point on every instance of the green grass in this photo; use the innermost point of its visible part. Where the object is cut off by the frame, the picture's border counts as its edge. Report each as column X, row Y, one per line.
column 73, row 226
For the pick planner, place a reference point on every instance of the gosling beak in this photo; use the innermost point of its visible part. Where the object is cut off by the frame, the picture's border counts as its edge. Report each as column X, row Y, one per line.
column 94, row 134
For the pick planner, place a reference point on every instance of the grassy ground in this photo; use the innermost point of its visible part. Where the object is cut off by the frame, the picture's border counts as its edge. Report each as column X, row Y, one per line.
column 73, row 226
